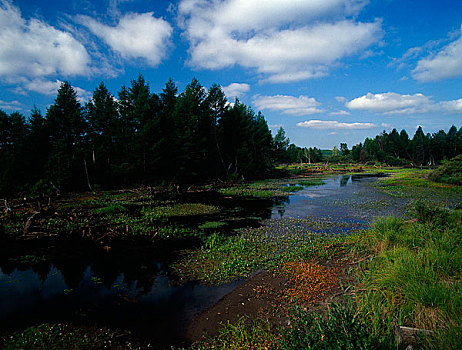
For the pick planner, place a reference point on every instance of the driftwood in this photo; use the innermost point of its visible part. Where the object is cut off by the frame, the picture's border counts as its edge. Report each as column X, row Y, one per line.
column 7, row 207
column 408, row 335
column 35, row 235
column 29, row 222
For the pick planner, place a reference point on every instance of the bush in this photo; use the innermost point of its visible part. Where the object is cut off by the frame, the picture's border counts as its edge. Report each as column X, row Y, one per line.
column 450, row 172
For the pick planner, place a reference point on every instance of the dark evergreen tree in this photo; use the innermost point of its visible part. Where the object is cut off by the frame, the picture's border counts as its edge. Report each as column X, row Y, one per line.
column 103, row 123
column 281, row 144
column 13, row 172
column 66, row 166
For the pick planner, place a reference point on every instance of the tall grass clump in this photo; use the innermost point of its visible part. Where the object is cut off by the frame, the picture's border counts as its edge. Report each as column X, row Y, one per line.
column 415, row 278
column 339, row 329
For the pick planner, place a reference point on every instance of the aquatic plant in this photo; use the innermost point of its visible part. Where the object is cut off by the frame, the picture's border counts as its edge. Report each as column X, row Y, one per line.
column 211, row 225
column 183, row 209
column 292, row 188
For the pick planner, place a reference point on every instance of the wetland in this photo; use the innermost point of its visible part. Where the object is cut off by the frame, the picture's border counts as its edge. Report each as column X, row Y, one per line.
column 151, row 263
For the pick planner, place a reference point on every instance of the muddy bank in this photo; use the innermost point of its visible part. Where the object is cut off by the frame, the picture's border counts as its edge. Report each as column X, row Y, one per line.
column 256, row 297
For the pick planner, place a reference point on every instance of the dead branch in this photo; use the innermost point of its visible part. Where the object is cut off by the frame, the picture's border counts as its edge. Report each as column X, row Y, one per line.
column 29, row 222
column 340, row 293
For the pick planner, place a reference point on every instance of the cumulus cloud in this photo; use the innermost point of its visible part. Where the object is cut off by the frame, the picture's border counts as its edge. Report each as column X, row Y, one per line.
column 236, row 90
column 283, row 40
column 137, row 35
column 445, row 64
column 393, row 103
column 334, row 125
column 301, row 105
column 33, row 48
column 389, row 102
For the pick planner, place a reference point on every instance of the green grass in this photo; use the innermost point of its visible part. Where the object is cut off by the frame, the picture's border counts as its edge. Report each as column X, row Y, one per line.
column 341, row 328
column 450, row 172
column 415, row 277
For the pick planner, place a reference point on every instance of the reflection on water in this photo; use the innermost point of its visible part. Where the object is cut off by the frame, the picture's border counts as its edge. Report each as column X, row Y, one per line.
column 128, row 287
column 342, row 198
column 139, row 298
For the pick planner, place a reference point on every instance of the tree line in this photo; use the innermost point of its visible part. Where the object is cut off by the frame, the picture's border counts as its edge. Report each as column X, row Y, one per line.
column 140, row 137
column 394, row 148
column 171, row 137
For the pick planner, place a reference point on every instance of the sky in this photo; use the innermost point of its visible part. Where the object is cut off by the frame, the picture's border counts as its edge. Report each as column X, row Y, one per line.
column 327, row 71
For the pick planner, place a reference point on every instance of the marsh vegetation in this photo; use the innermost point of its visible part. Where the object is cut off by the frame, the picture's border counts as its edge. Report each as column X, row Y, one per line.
column 108, row 267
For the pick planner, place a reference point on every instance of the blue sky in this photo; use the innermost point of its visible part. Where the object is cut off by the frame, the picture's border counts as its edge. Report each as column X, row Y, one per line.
column 328, row 71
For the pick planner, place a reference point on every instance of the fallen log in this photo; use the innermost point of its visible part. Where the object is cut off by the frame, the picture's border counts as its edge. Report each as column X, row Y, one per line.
column 409, row 335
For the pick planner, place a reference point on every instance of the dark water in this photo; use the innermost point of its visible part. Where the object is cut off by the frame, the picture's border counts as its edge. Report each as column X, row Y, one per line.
column 128, row 288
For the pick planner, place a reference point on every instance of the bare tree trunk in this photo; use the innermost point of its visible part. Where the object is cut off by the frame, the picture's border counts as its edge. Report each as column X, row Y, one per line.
column 86, row 173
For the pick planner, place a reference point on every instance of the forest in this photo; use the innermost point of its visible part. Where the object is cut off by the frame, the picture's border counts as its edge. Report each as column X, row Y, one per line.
column 194, row 136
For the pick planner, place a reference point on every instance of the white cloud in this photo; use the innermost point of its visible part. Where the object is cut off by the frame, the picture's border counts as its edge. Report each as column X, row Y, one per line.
column 445, row 64
column 301, row 105
column 389, row 102
column 342, row 112
column 50, row 88
column 283, row 40
column 137, row 35
column 393, row 103
column 275, row 126
column 235, row 90
column 33, row 48
column 454, row 106
column 341, row 99
column 334, row 125
column 10, row 105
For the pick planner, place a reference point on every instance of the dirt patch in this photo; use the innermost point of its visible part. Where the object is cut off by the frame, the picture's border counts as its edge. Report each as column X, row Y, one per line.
column 255, row 298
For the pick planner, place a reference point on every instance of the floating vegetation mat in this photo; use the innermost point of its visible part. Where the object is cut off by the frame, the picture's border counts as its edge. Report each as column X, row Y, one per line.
column 185, row 209
column 223, row 259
